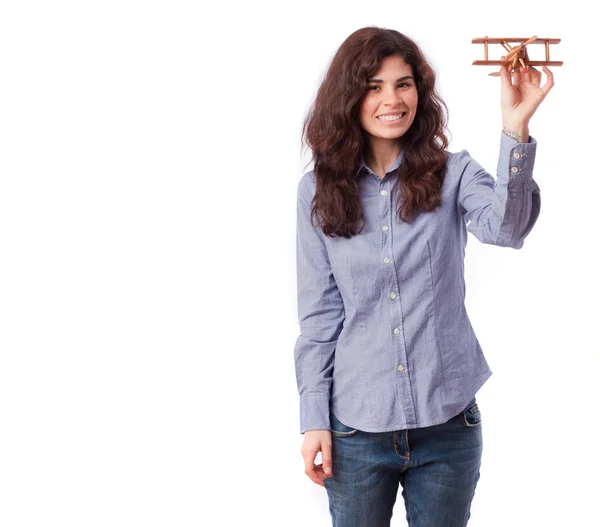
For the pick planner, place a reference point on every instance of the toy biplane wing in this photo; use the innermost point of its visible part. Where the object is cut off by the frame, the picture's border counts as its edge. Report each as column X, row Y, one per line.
column 515, row 54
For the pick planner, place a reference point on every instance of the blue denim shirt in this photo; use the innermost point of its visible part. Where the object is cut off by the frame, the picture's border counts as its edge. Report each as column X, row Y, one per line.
column 385, row 340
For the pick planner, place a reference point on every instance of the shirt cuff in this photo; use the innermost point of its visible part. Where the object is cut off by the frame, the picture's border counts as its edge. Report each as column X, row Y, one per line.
column 314, row 413
column 516, row 159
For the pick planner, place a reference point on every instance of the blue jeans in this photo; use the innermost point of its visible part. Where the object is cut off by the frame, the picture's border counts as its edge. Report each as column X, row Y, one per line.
column 437, row 466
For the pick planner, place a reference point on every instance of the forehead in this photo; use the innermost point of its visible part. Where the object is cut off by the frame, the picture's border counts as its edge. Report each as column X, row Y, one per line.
column 393, row 67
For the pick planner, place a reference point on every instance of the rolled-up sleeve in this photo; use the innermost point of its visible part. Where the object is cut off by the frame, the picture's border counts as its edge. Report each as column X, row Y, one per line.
column 502, row 211
column 320, row 315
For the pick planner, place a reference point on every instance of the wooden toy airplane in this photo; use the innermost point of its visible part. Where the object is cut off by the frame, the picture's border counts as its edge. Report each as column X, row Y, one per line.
column 516, row 54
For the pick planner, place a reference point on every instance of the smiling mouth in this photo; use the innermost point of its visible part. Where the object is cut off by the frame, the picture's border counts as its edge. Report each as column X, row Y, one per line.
column 390, row 118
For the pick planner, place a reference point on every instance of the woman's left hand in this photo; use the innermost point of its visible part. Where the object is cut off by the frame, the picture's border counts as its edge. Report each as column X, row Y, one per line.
column 522, row 94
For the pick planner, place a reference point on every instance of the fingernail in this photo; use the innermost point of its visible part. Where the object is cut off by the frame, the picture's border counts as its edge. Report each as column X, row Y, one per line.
column 327, row 470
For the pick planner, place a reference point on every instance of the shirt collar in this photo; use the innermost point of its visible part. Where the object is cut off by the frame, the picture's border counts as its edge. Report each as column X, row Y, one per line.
column 362, row 165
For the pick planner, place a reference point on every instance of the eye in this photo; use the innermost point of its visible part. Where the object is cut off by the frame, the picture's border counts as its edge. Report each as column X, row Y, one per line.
column 376, row 87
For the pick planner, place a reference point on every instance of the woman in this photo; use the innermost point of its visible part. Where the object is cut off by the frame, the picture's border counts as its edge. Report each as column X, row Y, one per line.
column 387, row 362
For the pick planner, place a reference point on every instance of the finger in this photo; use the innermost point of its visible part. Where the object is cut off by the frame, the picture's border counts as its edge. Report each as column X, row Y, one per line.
column 314, row 475
column 549, row 81
column 309, row 460
column 536, row 75
column 525, row 74
column 506, row 81
column 326, row 456
column 517, row 76
column 320, row 473
column 313, row 471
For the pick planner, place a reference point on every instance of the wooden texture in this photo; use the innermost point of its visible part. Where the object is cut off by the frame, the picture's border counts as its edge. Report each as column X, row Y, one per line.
column 517, row 40
column 530, row 62
column 516, row 55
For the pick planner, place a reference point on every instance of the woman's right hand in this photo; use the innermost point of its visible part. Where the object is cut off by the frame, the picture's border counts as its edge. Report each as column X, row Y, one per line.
column 316, row 441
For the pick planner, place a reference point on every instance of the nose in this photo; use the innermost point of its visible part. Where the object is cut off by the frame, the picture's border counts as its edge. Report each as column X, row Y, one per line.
column 392, row 98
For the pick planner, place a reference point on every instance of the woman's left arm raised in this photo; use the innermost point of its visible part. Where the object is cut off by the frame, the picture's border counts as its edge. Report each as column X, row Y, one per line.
column 503, row 211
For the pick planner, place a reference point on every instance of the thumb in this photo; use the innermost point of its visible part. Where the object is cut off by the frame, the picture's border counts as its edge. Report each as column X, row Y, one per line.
column 326, row 457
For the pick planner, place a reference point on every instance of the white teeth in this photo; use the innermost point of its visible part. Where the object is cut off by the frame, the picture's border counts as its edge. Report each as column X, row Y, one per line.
column 390, row 117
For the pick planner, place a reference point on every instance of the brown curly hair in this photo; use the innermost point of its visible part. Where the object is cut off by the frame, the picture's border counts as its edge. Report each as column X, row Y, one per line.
column 333, row 132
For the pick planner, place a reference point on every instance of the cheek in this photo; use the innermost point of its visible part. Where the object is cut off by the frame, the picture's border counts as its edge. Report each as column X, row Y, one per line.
column 363, row 109
column 415, row 101
column 365, row 112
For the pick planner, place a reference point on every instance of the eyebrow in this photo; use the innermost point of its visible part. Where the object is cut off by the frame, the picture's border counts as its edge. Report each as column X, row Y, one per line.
column 400, row 79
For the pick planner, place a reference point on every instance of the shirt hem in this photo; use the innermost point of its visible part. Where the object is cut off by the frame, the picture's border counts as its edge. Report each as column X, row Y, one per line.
column 412, row 426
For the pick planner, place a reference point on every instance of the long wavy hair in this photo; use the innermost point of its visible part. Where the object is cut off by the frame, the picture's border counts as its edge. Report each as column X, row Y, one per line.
column 332, row 130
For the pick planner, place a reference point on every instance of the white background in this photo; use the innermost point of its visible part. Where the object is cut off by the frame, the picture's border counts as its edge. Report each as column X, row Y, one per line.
column 149, row 160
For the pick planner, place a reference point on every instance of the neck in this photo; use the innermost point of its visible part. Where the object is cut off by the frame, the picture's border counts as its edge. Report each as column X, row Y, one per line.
column 380, row 155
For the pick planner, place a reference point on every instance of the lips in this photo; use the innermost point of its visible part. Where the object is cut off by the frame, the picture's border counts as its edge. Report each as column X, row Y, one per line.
column 387, row 120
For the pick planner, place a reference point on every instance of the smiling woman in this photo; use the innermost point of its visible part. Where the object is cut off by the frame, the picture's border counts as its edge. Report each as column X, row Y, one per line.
column 387, row 362
column 374, row 73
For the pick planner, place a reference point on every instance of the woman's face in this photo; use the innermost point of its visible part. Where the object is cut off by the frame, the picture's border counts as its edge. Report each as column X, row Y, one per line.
column 393, row 91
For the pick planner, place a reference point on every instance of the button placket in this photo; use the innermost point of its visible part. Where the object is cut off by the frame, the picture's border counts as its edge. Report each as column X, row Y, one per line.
column 396, row 315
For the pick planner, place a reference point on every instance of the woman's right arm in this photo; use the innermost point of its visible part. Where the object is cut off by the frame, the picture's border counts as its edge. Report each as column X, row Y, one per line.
column 320, row 315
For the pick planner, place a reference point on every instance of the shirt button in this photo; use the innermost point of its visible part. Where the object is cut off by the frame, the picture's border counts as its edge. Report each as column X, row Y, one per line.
column 400, row 368
column 396, row 331
column 514, row 169
column 384, row 228
column 383, row 192
column 392, row 295
column 386, row 260
column 516, row 155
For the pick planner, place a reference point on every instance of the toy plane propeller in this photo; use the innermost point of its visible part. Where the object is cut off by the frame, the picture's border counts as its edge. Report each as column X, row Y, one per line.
column 516, row 54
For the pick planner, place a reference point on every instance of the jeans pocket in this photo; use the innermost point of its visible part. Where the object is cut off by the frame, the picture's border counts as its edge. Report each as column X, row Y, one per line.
column 471, row 416
column 338, row 428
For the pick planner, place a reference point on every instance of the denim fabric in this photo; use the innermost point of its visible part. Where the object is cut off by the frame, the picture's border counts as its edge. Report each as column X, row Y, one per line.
column 437, row 467
column 385, row 339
